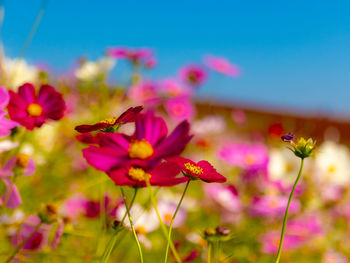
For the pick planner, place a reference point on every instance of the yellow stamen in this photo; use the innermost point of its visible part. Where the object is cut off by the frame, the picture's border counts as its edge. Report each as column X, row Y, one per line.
column 34, row 109
column 138, row 174
column 249, row 159
column 168, row 217
column 22, row 160
column 332, row 168
column 110, row 120
column 194, row 168
column 140, row 149
column 141, row 230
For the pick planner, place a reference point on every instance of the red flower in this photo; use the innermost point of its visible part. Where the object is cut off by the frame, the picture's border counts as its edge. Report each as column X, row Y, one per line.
column 31, row 110
column 128, row 116
column 128, row 159
column 202, row 170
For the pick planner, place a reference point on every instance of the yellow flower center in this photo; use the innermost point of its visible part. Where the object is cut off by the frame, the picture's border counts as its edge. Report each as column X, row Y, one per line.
column 140, row 149
column 138, row 174
column 110, row 120
column 193, row 168
column 332, row 168
column 141, row 230
column 249, row 159
column 22, row 160
column 34, row 109
column 168, row 217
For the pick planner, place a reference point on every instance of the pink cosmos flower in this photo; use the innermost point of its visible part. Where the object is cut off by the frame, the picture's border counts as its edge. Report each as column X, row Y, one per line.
column 167, row 210
column 5, row 124
column 224, row 196
column 273, row 205
column 135, row 56
column 246, row 156
column 40, row 237
column 180, row 108
column 334, row 257
column 31, row 109
column 172, row 88
column 21, row 161
column 145, row 92
column 193, row 75
column 305, row 227
column 222, row 65
column 130, row 160
column 271, row 240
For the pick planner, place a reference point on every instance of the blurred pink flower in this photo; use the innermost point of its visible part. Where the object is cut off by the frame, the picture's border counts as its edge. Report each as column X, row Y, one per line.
column 271, row 240
column 21, row 161
column 334, row 257
column 244, row 155
column 167, row 210
column 180, row 108
column 146, row 93
column 193, row 75
column 222, row 65
column 172, row 88
column 226, row 196
column 305, row 227
column 5, row 124
column 239, row 117
column 135, row 56
column 273, row 205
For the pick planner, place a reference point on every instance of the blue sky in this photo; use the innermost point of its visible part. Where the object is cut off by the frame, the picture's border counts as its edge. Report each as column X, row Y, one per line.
column 293, row 54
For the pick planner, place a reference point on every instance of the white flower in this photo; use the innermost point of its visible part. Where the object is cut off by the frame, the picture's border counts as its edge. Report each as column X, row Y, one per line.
column 333, row 163
column 143, row 221
column 91, row 70
column 209, row 124
column 7, row 145
column 167, row 210
column 17, row 72
column 283, row 166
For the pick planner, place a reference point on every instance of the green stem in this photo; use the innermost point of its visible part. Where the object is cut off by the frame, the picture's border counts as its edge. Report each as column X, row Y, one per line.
column 132, row 226
column 287, row 210
column 173, row 219
column 23, row 243
column 210, row 245
column 162, row 225
column 110, row 246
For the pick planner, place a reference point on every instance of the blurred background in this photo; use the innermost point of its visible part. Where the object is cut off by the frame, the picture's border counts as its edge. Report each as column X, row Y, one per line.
column 293, row 55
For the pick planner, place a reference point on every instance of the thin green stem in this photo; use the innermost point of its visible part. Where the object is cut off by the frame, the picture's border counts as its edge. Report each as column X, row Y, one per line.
column 209, row 248
column 173, row 219
column 132, row 225
column 162, row 225
column 18, row 248
column 287, row 210
column 110, row 246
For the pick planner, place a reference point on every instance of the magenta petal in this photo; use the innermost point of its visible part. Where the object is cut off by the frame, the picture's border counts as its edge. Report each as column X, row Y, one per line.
column 27, row 92
column 150, row 128
column 30, row 169
column 14, row 200
column 6, row 126
column 4, row 97
column 102, row 159
column 120, row 177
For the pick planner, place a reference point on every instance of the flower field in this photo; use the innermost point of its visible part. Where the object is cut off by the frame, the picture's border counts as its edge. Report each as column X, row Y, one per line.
column 141, row 170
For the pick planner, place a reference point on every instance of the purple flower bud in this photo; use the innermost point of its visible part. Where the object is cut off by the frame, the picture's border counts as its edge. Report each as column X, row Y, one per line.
column 288, row 137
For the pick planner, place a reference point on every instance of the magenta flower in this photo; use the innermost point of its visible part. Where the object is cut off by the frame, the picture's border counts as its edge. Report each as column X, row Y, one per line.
column 172, row 88
column 5, row 124
column 222, row 65
column 21, row 161
column 128, row 160
column 180, row 108
column 193, row 75
column 31, row 110
column 127, row 116
column 202, row 170
column 247, row 156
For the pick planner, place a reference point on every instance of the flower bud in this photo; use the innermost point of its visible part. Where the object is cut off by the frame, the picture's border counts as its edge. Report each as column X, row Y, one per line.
column 48, row 213
column 223, row 231
column 22, row 160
